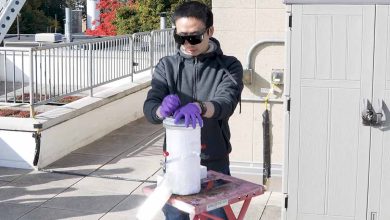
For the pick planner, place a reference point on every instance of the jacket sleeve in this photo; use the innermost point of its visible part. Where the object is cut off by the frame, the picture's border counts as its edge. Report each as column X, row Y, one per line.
column 228, row 91
column 159, row 89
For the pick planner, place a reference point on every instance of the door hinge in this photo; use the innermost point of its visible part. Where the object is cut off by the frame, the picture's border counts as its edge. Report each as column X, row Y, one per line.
column 286, row 202
column 290, row 21
column 288, row 104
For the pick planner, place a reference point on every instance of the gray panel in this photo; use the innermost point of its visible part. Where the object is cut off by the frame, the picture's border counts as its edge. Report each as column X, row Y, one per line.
column 344, row 146
column 323, row 47
column 345, row 2
column 313, row 148
column 308, row 43
column 387, row 70
column 354, row 47
column 385, row 180
column 339, row 33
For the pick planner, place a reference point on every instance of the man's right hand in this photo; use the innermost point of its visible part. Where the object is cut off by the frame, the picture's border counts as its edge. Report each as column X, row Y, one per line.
column 169, row 105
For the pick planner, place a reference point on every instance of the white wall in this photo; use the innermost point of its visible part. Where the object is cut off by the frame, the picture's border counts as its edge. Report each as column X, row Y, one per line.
column 17, row 149
column 71, row 126
column 238, row 25
column 60, row 140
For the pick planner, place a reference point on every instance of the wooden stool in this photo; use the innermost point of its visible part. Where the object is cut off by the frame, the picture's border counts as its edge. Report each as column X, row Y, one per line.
column 218, row 190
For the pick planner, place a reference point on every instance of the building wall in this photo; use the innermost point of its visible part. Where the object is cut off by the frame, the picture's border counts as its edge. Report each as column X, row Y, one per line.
column 239, row 24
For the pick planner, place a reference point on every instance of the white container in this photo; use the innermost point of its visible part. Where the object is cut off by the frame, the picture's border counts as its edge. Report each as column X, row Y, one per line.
column 183, row 161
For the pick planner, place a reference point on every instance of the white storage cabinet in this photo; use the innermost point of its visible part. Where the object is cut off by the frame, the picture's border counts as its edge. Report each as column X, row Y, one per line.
column 337, row 165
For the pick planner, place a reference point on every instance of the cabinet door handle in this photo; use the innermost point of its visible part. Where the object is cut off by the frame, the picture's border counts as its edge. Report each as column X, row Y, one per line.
column 373, row 216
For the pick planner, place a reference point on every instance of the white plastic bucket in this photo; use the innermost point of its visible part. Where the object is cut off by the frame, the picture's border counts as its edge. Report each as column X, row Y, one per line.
column 183, row 160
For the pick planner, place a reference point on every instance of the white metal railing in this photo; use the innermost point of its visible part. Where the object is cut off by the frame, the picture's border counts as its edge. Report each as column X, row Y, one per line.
column 44, row 74
column 162, row 44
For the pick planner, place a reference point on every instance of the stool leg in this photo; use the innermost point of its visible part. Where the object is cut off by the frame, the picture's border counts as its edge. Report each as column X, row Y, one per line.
column 229, row 212
column 244, row 208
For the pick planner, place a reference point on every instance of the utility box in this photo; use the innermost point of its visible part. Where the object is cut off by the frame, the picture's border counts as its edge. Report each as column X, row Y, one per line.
column 277, row 76
column 48, row 37
column 337, row 80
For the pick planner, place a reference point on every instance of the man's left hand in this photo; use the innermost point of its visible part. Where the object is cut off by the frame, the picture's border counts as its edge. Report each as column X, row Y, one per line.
column 190, row 113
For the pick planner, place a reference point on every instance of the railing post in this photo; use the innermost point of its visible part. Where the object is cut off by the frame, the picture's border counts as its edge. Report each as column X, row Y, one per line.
column 151, row 51
column 90, row 68
column 5, row 75
column 132, row 57
column 32, row 112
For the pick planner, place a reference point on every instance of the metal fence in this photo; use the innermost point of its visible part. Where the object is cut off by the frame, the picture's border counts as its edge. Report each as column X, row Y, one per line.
column 44, row 74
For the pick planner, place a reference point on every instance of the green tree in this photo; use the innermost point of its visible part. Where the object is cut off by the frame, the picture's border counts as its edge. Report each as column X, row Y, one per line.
column 127, row 20
column 43, row 16
column 142, row 15
column 55, row 11
column 32, row 19
column 145, row 16
column 149, row 13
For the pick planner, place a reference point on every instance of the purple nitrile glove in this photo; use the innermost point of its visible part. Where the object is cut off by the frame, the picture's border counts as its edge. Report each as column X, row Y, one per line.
column 190, row 113
column 169, row 105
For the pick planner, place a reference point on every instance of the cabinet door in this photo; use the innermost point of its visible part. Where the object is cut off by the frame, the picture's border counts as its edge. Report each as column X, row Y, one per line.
column 331, row 74
column 379, row 191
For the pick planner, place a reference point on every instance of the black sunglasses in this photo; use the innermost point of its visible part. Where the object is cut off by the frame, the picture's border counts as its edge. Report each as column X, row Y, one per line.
column 192, row 39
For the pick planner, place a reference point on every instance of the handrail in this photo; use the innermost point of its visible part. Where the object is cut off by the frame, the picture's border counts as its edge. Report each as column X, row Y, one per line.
column 51, row 72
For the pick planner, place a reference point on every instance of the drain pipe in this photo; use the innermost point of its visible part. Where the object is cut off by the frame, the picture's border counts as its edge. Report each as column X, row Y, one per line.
column 249, row 67
column 37, row 136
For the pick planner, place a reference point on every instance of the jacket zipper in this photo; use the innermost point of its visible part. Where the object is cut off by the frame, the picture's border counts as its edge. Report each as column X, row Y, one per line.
column 195, row 96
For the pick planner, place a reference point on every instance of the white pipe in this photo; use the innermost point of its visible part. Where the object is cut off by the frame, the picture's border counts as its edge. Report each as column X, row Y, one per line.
column 163, row 20
column 68, row 25
column 251, row 50
column 93, row 14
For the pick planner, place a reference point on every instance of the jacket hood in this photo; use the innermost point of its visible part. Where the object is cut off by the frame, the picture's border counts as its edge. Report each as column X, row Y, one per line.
column 214, row 50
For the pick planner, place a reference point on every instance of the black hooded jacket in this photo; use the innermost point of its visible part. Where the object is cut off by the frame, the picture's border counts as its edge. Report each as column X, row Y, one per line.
column 211, row 77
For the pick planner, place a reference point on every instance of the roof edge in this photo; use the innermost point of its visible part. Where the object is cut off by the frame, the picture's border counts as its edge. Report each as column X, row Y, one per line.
column 339, row 2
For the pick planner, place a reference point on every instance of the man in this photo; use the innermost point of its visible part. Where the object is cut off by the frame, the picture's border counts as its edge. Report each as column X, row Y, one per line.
column 200, row 85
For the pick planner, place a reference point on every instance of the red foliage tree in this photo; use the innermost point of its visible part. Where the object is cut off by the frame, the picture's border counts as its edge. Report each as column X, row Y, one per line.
column 107, row 16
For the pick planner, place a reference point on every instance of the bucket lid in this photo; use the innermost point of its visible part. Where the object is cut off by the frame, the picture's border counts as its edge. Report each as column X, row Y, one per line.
column 169, row 122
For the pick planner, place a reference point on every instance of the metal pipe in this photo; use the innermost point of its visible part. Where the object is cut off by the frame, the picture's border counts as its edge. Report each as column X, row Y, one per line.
column 248, row 65
column 261, row 100
column 5, row 76
column 163, row 20
column 151, row 50
column 31, row 83
column 68, row 25
column 90, row 68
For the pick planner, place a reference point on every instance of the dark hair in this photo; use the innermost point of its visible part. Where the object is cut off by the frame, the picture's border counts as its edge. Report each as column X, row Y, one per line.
column 194, row 9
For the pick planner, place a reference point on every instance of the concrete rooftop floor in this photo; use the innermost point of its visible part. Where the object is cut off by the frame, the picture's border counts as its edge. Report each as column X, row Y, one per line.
column 104, row 180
